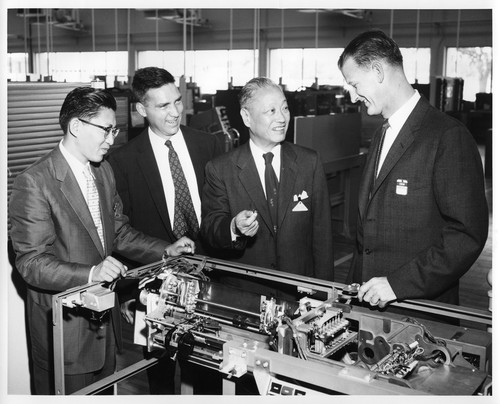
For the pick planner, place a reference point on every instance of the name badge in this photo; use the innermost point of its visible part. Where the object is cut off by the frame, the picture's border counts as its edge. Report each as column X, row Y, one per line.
column 402, row 187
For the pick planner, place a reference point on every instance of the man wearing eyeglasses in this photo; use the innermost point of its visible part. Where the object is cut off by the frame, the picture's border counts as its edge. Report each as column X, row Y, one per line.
column 66, row 219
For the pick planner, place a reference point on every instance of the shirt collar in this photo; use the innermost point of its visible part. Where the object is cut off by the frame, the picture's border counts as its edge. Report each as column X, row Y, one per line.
column 160, row 141
column 398, row 119
column 75, row 164
column 257, row 152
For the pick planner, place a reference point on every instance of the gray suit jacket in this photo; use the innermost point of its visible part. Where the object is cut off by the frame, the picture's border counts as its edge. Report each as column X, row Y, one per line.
column 56, row 244
column 427, row 220
column 303, row 243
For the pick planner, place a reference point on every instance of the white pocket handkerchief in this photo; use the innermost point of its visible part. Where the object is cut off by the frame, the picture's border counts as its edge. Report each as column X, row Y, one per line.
column 300, row 207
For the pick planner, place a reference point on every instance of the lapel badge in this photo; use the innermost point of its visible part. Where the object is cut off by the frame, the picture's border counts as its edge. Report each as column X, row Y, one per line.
column 300, row 207
column 402, row 187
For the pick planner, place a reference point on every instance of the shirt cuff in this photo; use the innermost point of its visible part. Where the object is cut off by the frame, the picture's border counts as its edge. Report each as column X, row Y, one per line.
column 91, row 273
column 234, row 236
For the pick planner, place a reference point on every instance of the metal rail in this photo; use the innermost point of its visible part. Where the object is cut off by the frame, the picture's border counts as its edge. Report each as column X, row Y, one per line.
column 303, row 283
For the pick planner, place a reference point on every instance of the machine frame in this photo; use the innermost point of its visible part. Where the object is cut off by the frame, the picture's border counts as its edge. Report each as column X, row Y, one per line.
column 270, row 369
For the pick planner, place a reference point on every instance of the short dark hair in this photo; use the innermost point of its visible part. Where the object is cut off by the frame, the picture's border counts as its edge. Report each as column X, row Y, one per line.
column 250, row 88
column 369, row 46
column 147, row 78
column 84, row 102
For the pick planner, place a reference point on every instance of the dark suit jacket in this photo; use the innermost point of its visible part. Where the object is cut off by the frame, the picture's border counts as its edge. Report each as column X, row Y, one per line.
column 56, row 243
column 426, row 233
column 303, row 243
column 139, row 183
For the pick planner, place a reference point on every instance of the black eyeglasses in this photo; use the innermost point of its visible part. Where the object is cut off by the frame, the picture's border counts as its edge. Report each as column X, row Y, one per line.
column 110, row 130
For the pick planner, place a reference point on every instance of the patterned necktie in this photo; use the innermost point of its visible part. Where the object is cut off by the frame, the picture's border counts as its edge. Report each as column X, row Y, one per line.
column 93, row 202
column 271, row 188
column 385, row 125
column 185, row 220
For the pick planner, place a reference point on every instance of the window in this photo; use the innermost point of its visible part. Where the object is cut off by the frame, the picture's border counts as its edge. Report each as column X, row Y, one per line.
column 416, row 64
column 474, row 65
column 71, row 66
column 299, row 67
column 16, row 65
column 211, row 70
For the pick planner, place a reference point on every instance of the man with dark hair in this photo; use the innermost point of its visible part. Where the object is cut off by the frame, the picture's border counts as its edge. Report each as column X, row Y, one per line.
column 266, row 203
column 423, row 216
column 159, row 176
column 143, row 167
column 66, row 220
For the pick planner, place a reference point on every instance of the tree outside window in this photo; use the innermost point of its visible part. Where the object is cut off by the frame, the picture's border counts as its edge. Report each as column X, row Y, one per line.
column 474, row 65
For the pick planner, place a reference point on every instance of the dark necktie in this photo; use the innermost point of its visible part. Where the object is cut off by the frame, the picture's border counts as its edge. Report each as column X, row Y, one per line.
column 385, row 125
column 271, row 188
column 185, row 220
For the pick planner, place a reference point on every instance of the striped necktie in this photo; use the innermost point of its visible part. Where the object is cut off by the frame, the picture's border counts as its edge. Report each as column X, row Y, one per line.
column 185, row 220
column 93, row 202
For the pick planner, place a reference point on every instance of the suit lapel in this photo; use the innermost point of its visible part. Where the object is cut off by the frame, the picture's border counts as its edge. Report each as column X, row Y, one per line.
column 287, row 181
column 74, row 196
column 366, row 178
column 147, row 163
column 195, row 150
column 250, row 180
column 403, row 141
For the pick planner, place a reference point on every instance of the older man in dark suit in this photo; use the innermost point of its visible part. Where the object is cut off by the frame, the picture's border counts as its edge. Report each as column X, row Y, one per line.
column 423, row 217
column 266, row 203
column 66, row 220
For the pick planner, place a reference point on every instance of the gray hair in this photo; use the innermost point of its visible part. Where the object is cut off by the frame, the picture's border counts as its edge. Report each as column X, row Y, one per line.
column 248, row 91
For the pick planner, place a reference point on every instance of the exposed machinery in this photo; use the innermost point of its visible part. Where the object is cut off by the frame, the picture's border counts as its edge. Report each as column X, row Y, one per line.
column 359, row 351
column 321, row 343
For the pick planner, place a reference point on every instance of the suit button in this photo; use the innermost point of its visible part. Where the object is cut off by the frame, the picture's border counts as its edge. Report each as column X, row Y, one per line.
column 368, row 251
column 273, row 266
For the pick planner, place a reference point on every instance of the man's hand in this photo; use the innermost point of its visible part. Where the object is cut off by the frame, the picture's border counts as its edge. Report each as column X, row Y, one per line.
column 377, row 292
column 127, row 310
column 182, row 246
column 246, row 223
column 108, row 270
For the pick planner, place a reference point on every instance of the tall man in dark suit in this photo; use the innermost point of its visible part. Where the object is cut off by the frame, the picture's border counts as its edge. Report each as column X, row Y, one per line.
column 146, row 178
column 66, row 220
column 269, row 210
column 423, row 216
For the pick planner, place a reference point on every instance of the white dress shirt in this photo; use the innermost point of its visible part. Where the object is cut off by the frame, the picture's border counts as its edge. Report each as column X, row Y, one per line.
column 160, row 151
column 77, row 167
column 257, row 154
column 396, row 122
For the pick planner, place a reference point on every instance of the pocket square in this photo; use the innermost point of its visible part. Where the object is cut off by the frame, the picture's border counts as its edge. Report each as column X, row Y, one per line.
column 300, row 207
column 300, row 197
